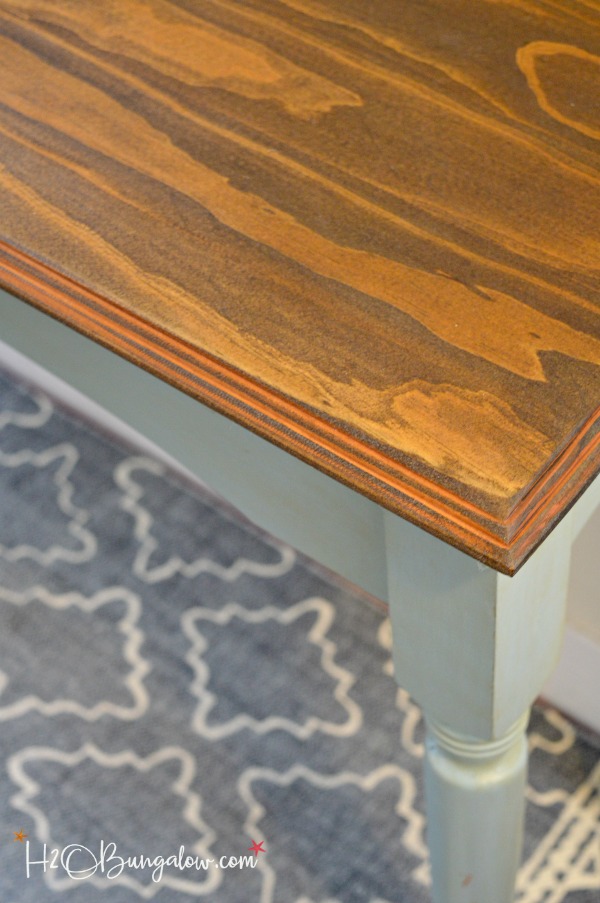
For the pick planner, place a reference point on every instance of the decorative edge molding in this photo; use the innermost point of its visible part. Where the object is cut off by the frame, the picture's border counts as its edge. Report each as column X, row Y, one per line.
column 502, row 543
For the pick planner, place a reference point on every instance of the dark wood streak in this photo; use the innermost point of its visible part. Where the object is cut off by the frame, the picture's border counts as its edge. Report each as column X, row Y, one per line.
column 338, row 224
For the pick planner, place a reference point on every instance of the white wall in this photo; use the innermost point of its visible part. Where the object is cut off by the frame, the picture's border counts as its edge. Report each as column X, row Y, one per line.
column 575, row 684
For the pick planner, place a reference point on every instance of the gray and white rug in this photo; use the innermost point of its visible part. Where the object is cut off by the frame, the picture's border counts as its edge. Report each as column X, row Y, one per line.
column 179, row 692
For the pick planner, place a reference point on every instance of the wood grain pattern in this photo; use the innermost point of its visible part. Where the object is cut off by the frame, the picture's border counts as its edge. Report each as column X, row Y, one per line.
column 367, row 231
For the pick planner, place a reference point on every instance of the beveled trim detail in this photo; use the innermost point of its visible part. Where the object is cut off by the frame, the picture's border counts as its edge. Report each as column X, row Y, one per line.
column 502, row 543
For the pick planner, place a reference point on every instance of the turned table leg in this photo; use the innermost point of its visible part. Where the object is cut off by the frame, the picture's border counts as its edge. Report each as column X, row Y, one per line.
column 475, row 793
column 474, row 648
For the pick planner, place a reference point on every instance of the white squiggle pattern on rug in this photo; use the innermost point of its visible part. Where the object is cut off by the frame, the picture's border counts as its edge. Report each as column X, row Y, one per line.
column 412, row 837
column 557, row 747
column 317, row 635
column 131, row 654
column 412, row 713
column 130, row 502
column 24, row 802
column 77, row 516
column 568, row 857
column 35, row 420
column 565, row 740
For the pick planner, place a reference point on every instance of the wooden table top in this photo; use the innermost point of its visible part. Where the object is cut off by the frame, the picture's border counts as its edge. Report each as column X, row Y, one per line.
column 367, row 231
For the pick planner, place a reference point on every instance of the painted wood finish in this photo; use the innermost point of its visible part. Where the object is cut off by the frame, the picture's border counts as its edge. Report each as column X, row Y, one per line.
column 368, row 232
column 474, row 648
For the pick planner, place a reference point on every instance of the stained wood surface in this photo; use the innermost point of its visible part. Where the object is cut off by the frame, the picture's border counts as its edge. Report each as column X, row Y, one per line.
column 368, row 231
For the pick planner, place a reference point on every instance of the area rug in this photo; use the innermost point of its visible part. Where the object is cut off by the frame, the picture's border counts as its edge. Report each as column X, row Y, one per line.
column 191, row 711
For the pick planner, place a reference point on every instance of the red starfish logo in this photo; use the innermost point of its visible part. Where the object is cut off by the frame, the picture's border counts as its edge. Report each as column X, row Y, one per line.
column 257, row 848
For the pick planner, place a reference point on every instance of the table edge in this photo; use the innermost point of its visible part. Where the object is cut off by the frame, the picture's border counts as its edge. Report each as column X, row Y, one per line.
column 502, row 543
